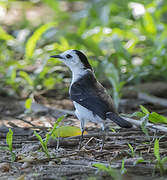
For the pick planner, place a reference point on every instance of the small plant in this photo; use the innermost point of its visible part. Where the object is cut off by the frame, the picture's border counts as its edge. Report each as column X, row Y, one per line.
column 48, row 136
column 132, row 153
column 160, row 163
column 145, row 116
column 9, row 141
column 114, row 173
column 123, row 170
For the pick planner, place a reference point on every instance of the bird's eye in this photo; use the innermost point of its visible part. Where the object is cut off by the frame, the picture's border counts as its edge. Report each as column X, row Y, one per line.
column 68, row 56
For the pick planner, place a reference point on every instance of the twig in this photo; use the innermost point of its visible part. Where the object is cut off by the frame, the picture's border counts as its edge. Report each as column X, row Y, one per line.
column 152, row 99
column 151, row 126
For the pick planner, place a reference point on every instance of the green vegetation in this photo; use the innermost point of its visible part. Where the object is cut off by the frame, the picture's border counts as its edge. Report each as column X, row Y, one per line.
column 9, row 141
column 159, row 163
column 129, row 38
column 125, row 41
column 48, row 136
column 114, row 173
column 132, row 153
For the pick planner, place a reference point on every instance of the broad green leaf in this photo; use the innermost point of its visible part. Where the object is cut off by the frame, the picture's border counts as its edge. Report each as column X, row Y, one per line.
column 25, row 76
column 28, row 103
column 100, row 166
column 138, row 161
column 32, row 41
column 4, row 35
column 157, row 118
column 82, row 26
column 149, row 23
column 68, row 131
column 49, row 82
column 138, row 114
column 156, row 149
column 144, row 109
column 9, row 139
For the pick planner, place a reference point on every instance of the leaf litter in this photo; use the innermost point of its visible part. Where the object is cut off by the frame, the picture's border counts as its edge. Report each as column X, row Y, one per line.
column 127, row 152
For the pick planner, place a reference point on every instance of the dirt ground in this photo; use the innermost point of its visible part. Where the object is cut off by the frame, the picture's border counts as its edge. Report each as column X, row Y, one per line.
column 67, row 161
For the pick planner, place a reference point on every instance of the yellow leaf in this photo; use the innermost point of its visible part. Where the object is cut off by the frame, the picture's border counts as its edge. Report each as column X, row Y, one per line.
column 21, row 177
column 68, row 131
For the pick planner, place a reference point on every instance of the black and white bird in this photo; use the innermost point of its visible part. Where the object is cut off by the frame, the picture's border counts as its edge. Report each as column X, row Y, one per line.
column 91, row 101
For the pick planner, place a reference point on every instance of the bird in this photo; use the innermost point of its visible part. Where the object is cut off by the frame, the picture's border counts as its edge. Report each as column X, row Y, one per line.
column 91, row 101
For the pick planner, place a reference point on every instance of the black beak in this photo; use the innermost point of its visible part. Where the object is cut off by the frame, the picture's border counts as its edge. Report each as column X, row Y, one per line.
column 57, row 56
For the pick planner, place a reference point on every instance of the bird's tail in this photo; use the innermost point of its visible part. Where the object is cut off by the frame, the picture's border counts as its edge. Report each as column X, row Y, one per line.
column 118, row 120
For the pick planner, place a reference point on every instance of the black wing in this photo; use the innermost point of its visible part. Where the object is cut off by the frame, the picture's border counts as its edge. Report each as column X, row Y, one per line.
column 87, row 92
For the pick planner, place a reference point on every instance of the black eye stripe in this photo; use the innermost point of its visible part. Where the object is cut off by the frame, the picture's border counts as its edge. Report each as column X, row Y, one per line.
column 68, row 56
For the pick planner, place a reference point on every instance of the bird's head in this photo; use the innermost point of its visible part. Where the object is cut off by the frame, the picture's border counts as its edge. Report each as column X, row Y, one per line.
column 74, row 59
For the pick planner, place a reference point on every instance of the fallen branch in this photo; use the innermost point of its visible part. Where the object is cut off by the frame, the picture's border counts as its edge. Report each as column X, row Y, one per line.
column 151, row 126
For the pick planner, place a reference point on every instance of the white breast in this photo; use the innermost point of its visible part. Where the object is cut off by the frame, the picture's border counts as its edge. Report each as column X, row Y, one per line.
column 83, row 113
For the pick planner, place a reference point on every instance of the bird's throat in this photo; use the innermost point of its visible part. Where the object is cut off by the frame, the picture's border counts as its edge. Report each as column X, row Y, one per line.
column 77, row 73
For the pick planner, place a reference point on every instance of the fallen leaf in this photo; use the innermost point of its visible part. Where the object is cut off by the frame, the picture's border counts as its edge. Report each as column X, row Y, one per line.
column 68, row 131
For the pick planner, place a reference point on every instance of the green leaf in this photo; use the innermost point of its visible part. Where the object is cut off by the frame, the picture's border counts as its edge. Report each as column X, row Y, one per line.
column 56, row 124
column 132, row 150
column 144, row 109
column 164, row 160
column 144, row 123
column 157, row 118
column 82, row 26
column 111, row 171
column 32, row 41
column 100, row 166
column 13, row 156
column 9, row 139
column 25, row 76
column 39, row 137
column 149, row 23
column 138, row 161
column 123, row 169
column 49, row 82
column 156, row 149
column 43, row 144
column 138, row 114
column 4, row 148
column 28, row 103
column 4, row 35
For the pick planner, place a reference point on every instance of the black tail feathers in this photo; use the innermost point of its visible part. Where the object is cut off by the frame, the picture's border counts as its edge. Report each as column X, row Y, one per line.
column 118, row 120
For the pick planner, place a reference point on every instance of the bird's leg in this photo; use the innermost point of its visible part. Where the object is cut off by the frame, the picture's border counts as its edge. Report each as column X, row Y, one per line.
column 103, row 136
column 82, row 122
column 81, row 139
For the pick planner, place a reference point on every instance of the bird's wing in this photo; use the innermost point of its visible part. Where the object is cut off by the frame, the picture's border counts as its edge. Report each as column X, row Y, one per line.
column 90, row 94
